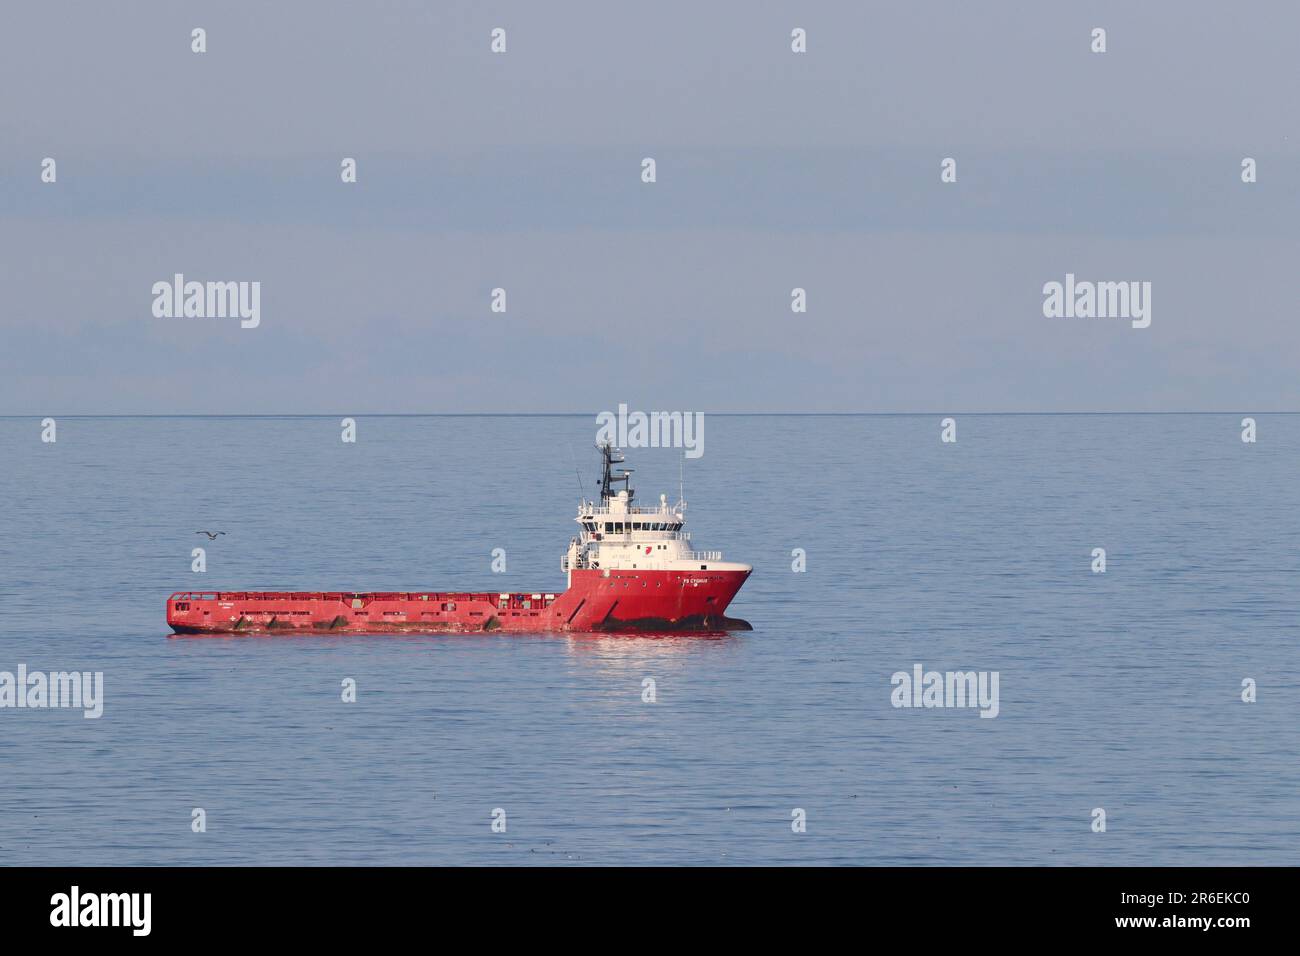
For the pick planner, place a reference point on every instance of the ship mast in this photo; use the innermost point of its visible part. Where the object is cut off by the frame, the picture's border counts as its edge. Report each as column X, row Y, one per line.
column 610, row 457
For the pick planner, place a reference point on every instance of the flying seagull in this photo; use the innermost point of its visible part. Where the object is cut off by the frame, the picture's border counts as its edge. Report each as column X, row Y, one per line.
column 212, row 535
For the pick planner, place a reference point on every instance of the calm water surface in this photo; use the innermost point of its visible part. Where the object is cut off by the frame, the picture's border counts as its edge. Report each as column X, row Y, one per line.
column 1119, row 691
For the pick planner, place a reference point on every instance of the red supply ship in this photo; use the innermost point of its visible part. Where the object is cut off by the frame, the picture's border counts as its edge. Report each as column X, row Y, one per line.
column 629, row 569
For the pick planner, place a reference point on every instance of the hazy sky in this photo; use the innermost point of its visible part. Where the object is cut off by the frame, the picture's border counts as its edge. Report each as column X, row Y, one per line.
column 522, row 171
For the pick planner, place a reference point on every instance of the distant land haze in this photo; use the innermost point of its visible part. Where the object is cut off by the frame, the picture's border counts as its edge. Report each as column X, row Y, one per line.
column 921, row 225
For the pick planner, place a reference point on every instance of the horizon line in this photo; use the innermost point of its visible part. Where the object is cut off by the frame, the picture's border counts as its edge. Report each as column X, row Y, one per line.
column 788, row 414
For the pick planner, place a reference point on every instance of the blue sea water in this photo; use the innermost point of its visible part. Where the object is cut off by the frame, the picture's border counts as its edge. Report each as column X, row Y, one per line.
column 1119, row 691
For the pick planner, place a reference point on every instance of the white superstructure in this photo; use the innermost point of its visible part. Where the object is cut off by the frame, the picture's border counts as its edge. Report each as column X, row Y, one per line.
column 618, row 535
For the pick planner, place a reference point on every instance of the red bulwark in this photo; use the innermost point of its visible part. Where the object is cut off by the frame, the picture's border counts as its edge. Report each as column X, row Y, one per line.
column 612, row 600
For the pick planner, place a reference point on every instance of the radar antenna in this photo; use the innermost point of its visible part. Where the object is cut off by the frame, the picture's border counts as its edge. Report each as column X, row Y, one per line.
column 610, row 457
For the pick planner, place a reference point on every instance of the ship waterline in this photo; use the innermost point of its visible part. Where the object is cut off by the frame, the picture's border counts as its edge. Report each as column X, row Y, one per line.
column 623, row 600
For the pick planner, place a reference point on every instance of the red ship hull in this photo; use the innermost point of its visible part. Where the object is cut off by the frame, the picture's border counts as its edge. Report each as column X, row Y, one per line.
column 613, row 600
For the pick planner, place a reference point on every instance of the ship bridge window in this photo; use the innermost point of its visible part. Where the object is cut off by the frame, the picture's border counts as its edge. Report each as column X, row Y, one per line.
column 609, row 527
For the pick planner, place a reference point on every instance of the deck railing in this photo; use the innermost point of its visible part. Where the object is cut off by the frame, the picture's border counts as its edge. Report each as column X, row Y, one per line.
column 669, row 511
column 581, row 562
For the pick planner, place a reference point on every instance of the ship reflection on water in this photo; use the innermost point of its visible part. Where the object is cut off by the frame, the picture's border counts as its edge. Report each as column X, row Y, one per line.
column 641, row 646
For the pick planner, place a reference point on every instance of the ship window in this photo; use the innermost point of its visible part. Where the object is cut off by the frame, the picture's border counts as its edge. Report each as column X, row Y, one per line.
column 609, row 527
